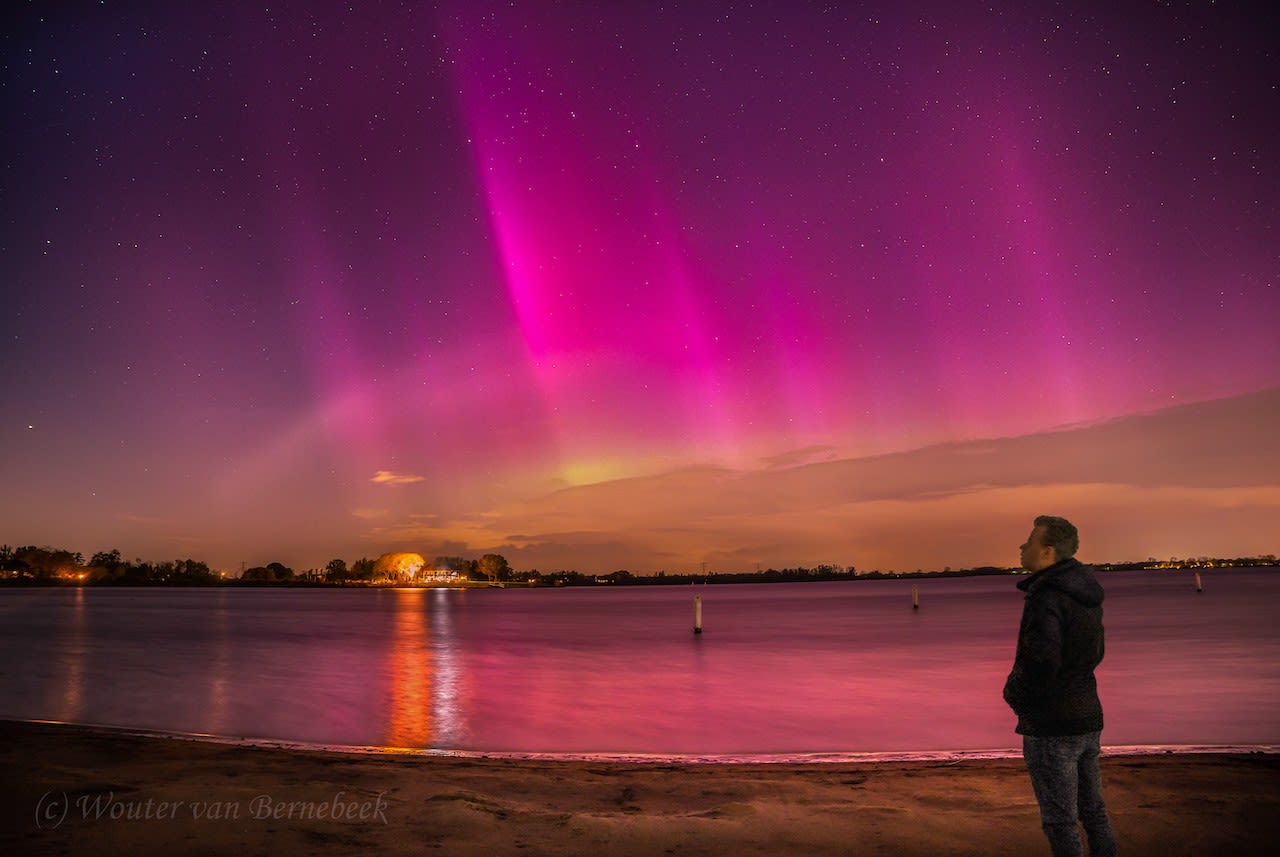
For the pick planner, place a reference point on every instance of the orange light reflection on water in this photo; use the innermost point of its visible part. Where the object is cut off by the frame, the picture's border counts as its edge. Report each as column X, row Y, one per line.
column 409, row 713
column 72, row 702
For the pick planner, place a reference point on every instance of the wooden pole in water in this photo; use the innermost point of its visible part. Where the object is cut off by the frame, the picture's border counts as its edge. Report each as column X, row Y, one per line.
column 915, row 596
column 697, row 614
column 1199, row 587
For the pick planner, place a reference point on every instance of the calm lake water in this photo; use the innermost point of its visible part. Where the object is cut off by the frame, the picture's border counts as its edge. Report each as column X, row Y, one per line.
column 780, row 670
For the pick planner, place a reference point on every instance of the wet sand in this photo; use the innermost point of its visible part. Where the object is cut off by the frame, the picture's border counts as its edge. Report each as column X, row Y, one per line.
column 73, row 790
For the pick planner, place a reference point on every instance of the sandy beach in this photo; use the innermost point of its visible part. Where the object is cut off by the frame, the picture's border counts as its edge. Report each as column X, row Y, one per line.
column 74, row 790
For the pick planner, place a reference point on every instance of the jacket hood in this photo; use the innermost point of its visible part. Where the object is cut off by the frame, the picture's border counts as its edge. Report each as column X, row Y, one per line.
column 1069, row 576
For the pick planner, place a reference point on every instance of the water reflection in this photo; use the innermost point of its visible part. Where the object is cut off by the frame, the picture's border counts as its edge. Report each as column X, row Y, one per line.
column 425, row 673
column 72, row 703
column 219, row 667
column 409, row 713
column 783, row 668
column 447, row 696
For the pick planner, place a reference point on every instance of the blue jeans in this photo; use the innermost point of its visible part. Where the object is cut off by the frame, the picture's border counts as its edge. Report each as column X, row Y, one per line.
column 1068, row 785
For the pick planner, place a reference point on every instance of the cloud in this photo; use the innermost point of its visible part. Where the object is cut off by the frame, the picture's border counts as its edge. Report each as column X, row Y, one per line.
column 1192, row 480
column 370, row 514
column 805, row 455
column 147, row 520
column 387, row 477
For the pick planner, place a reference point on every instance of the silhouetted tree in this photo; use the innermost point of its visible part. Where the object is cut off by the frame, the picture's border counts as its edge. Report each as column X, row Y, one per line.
column 190, row 571
column 108, row 562
column 258, row 572
column 362, row 569
column 280, row 571
column 494, row 567
column 271, row 572
column 336, row 571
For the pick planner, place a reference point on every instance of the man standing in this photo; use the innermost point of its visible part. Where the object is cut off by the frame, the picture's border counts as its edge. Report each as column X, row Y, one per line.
column 1053, row 691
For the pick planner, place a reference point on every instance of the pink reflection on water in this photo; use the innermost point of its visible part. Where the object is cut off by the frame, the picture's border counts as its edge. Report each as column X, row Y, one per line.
column 784, row 669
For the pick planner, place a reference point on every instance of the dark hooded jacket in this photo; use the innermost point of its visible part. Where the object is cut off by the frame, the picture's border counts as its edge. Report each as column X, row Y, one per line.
column 1051, row 687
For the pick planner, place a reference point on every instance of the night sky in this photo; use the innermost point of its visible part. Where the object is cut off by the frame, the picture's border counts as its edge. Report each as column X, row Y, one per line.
column 640, row 285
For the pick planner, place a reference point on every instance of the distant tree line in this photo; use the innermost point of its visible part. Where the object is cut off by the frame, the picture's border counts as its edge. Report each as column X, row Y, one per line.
column 1173, row 562
column 46, row 565
column 799, row 574
column 50, row 565
column 492, row 567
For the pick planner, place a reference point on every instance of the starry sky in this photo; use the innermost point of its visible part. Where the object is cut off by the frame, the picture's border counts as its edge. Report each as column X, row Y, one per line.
column 640, row 285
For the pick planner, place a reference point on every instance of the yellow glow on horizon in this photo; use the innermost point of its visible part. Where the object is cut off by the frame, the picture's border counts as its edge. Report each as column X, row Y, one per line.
column 584, row 472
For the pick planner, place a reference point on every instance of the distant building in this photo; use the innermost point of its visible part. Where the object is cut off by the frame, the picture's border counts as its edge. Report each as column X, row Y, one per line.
column 439, row 575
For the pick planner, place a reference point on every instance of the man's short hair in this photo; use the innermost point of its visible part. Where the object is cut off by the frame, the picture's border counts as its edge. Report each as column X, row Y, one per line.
column 1059, row 534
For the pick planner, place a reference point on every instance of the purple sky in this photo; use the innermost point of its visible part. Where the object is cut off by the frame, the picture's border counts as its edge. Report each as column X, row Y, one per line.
column 625, row 285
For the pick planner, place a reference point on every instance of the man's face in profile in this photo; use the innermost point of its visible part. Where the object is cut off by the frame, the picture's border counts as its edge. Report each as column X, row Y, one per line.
column 1035, row 555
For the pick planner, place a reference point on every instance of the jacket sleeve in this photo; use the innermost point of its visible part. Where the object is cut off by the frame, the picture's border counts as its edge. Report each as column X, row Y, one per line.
column 1038, row 659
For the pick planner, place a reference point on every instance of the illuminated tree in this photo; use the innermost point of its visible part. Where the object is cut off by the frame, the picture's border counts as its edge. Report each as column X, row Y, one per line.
column 45, row 563
column 398, row 567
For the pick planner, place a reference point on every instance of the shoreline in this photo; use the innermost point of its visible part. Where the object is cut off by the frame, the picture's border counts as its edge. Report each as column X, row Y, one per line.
column 802, row 758
column 80, row 790
column 589, row 580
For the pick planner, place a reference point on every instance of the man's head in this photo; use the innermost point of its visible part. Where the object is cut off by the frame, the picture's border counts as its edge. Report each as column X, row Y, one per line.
column 1052, row 539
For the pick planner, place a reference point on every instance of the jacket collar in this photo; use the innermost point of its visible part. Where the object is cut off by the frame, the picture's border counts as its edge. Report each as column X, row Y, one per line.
column 1041, row 577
